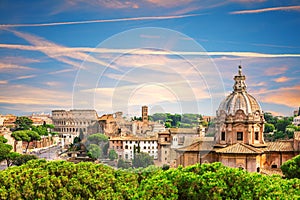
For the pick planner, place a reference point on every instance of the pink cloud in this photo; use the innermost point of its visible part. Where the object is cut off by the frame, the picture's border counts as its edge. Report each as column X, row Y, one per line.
column 273, row 71
column 282, row 79
column 288, row 96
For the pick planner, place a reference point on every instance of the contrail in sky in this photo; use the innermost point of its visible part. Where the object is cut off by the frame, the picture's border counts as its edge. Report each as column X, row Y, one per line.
column 64, row 50
column 99, row 21
column 266, row 10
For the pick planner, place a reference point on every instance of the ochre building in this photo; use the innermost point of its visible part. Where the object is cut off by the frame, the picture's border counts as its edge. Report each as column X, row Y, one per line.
column 239, row 140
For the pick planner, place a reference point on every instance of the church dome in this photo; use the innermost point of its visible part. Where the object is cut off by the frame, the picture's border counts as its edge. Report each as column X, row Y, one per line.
column 239, row 99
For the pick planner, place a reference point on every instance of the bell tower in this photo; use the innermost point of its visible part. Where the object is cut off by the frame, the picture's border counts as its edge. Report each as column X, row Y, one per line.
column 145, row 115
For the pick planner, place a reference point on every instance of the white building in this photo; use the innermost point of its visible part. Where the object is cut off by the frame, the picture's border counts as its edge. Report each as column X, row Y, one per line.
column 126, row 146
column 296, row 121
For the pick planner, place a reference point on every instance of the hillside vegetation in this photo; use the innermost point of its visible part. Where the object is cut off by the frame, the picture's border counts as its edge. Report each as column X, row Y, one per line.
column 39, row 179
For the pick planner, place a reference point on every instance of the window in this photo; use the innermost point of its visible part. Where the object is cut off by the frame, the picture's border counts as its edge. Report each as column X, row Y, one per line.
column 223, row 135
column 166, row 139
column 256, row 135
column 274, row 166
column 126, row 146
column 144, row 147
column 239, row 136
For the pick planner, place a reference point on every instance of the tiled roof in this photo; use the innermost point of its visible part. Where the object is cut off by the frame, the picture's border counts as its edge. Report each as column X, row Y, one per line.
column 133, row 138
column 239, row 148
column 286, row 145
column 198, row 146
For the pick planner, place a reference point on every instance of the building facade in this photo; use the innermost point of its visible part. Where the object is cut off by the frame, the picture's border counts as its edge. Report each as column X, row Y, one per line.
column 127, row 146
column 239, row 140
column 69, row 124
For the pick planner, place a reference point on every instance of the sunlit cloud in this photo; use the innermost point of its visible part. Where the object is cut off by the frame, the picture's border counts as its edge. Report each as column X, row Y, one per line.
column 273, row 71
column 30, row 95
column 7, row 67
column 3, row 82
column 53, row 83
column 281, row 8
column 24, row 77
column 288, row 96
column 99, row 21
column 59, row 50
column 169, row 3
column 282, row 79
column 115, row 4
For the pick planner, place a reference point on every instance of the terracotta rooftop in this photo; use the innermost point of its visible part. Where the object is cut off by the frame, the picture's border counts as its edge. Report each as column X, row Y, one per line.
column 183, row 131
column 279, row 146
column 199, row 146
column 239, row 148
column 133, row 138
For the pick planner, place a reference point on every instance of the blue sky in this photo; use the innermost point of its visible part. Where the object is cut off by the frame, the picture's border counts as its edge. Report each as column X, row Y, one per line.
column 174, row 56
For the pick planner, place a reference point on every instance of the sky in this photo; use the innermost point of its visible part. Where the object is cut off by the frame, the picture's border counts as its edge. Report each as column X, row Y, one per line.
column 173, row 56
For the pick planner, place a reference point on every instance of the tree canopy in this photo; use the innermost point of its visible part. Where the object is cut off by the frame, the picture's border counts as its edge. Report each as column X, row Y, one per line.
column 94, row 151
column 142, row 160
column 97, row 138
column 26, row 136
column 4, row 148
column 112, row 155
column 39, row 179
column 23, row 123
column 291, row 168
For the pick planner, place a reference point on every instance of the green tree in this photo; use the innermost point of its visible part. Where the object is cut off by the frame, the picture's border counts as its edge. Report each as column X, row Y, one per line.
column 94, row 151
column 269, row 128
column 112, row 154
column 26, row 136
column 123, row 164
column 41, row 130
column 142, row 160
column 11, row 158
column 22, row 159
column 97, row 138
column 291, row 168
column 4, row 148
column 270, row 118
column 23, row 123
column 281, row 124
column 168, row 125
column 100, row 140
column 159, row 117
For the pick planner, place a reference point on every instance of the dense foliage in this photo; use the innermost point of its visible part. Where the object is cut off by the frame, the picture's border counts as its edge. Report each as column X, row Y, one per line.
column 112, row 155
column 63, row 180
column 97, row 145
column 279, row 127
column 176, row 120
column 291, row 168
column 23, row 123
column 142, row 160
column 26, row 136
column 4, row 148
